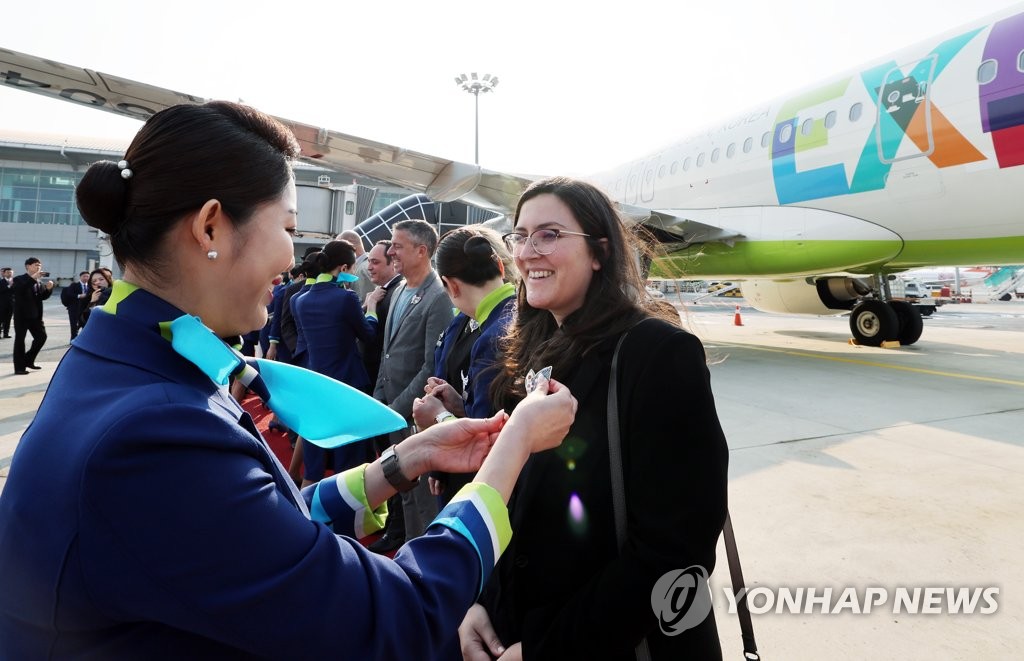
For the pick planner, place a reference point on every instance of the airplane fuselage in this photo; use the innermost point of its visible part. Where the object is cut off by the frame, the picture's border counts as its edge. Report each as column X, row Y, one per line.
column 909, row 159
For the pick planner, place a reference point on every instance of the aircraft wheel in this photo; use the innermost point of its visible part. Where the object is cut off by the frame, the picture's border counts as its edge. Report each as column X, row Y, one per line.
column 926, row 311
column 873, row 322
column 911, row 324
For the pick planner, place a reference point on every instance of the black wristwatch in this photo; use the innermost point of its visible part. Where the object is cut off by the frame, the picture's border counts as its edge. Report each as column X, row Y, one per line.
column 393, row 473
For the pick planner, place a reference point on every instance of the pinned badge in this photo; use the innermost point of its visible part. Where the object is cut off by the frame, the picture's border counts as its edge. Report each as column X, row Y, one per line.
column 533, row 378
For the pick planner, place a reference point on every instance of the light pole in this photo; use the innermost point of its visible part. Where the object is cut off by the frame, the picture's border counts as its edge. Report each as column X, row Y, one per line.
column 475, row 86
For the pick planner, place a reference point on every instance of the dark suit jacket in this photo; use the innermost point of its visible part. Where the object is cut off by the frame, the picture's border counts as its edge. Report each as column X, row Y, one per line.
column 6, row 293
column 372, row 350
column 562, row 588
column 408, row 358
column 28, row 299
column 69, row 298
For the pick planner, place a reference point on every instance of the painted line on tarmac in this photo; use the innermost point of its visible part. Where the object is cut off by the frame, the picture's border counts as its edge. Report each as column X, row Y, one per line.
column 868, row 363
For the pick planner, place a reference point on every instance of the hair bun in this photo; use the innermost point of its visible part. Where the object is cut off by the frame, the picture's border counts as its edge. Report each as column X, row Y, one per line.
column 102, row 195
column 478, row 246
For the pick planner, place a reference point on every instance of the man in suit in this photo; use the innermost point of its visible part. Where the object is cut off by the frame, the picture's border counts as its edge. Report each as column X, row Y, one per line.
column 382, row 274
column 29, row 294
column 72, row 298
column 6, row 301
column 419, row 312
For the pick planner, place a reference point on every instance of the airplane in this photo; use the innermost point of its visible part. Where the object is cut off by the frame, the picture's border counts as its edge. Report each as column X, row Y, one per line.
column 810, row 201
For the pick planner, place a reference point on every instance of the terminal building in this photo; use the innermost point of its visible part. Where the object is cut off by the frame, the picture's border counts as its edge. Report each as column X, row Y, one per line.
column 39, row 218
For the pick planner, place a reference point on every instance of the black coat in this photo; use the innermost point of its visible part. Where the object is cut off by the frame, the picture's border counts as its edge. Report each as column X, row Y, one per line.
column 28, row 299
column 562, row 588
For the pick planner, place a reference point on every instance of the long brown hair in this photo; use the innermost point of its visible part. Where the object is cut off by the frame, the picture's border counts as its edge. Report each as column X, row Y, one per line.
column 615, row 300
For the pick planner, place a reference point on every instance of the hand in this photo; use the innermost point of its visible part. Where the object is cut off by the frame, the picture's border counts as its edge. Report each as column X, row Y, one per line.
column 425, row 411
column 435, row 485
column 373, row 298
column 458, row 446
column 49, row 284
column 514, row 653
column 477, row 638
column 545, row 416
column 448, row 395
column 272, row 351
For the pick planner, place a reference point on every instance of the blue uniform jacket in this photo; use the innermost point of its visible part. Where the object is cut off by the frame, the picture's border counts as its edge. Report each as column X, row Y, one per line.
column 300, row 356
column 149, row 520
column 331, row 318
column 482, row 357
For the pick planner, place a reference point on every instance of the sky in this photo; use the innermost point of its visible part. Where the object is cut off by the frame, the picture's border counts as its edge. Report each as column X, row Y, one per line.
column 583, row 86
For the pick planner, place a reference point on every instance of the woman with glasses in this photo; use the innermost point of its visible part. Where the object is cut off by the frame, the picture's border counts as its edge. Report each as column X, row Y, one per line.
column 565, row 590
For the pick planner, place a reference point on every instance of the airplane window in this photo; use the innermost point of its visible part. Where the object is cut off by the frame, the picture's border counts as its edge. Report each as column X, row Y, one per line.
column 786, row 133
column 1020, row 61
column 661, row 172
column 700, row 159
column 830, row 119
column 675, row 167
column 714, row 154
column 855, row 111
column 987, row 71
column 748, row 144
column 766, row 139
column 730, row 150
column 807, row 126
column 686, row 163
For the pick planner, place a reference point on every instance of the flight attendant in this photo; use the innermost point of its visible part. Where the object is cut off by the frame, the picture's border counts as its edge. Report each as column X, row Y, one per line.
column 331, row 318
column 166, row 528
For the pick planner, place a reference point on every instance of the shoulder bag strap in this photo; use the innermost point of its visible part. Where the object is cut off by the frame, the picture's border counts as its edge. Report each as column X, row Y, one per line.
column 643, row 653
column 740, row 590
column 619, row 511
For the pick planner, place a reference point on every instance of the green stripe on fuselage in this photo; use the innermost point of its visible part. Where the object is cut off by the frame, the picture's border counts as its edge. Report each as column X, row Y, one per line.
column 771, row 259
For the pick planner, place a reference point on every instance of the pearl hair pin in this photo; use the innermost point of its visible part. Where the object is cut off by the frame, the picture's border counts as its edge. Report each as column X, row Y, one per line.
column 126, row 173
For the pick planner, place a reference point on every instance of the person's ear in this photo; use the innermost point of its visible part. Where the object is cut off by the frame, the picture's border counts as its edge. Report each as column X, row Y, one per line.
column 209, row 227
column 596, row 263
column 452, row 284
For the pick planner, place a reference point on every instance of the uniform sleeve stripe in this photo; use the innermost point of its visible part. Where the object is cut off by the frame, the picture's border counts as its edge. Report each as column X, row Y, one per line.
column 342, row 499
column 478, row 513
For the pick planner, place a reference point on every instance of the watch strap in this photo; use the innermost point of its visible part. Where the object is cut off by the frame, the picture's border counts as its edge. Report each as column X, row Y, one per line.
column 393, row 472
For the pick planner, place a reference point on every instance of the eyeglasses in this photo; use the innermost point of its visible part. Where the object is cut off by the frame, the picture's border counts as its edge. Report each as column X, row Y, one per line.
column 543, row 240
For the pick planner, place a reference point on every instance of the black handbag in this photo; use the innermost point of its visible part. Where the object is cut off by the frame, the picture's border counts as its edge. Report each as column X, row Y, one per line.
column 642, row 651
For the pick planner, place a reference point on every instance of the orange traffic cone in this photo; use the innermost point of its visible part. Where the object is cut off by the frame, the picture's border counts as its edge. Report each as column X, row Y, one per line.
column 737, row 320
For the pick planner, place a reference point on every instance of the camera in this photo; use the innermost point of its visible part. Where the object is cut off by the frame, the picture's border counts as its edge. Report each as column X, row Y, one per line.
column 44, row 274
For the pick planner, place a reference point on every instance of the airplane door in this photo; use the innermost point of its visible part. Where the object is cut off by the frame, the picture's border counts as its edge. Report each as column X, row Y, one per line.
column 905, row 110
column 650, row 173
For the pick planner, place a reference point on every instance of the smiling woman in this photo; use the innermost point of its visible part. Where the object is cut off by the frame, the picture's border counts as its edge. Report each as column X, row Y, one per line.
column 168, row 529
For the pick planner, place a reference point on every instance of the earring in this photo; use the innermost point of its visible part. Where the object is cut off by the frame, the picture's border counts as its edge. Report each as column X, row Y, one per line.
column 211, row 254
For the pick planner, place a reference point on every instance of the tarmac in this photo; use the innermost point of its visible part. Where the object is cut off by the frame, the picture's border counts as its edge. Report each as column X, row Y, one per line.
column 870, row 472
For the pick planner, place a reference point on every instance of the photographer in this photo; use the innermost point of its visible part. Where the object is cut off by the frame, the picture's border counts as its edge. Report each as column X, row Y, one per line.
column 29, row 294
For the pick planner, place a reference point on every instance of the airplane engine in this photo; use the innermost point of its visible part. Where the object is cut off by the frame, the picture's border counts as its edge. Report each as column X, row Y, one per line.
column 825, row 296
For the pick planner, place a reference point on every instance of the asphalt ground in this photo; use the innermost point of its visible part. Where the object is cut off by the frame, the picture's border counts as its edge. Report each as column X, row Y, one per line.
column 873, row 474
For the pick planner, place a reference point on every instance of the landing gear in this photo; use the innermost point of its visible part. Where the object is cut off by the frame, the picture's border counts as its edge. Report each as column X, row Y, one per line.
column 873, row 322
column 911, row 324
